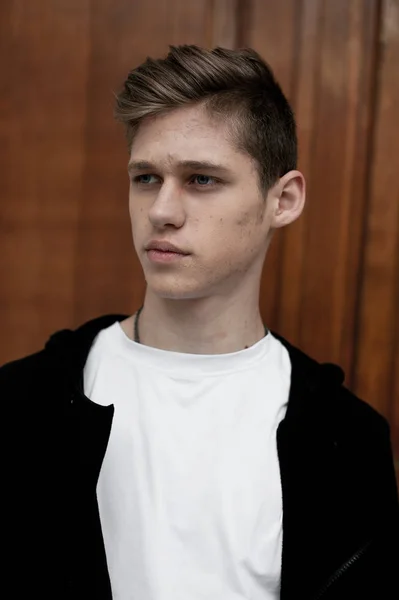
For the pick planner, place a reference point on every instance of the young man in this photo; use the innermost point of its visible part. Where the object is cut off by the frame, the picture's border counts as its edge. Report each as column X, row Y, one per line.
column 186, row 452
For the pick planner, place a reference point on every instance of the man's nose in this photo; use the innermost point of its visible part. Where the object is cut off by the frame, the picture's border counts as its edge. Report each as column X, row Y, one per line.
column 167, row 207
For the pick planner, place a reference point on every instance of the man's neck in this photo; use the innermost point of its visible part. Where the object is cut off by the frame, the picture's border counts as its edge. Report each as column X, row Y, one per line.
column 197, row 327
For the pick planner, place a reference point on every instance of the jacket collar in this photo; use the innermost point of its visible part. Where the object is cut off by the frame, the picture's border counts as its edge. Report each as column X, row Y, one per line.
column 70, row 348
column 73, row 346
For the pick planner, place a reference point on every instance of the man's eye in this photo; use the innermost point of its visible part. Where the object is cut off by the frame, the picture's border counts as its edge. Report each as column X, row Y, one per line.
column 204, row 180
column 146, row 179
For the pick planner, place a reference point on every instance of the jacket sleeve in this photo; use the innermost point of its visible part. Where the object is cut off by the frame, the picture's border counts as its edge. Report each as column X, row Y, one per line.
column 381, row 569
column 370, row 479
column 392, row 501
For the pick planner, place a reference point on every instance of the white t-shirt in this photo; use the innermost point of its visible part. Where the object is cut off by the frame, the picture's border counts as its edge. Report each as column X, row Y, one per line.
column 189, row 491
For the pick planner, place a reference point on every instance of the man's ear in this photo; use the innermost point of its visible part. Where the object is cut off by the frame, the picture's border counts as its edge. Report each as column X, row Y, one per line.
column 288, row 199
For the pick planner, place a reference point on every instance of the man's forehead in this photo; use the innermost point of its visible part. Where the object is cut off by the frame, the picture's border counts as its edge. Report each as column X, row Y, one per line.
column 187, row 125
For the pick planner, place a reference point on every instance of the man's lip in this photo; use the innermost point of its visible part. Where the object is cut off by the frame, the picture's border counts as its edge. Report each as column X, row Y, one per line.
column 157, row 256
column 166, row 251
column 164, row 246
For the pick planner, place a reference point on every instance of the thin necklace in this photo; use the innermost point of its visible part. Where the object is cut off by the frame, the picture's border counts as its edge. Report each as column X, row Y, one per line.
column 136, row 326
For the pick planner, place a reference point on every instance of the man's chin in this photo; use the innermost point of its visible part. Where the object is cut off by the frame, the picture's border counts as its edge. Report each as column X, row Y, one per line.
column 174, row 291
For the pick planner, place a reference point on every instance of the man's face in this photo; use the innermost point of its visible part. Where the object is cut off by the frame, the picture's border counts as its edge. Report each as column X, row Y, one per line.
column 217, row 215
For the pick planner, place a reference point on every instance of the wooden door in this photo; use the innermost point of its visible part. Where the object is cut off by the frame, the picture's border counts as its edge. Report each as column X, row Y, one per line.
column 331, row 281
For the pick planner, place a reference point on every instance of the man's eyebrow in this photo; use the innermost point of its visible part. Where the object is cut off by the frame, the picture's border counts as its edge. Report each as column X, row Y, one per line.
column 198, row 165
column 195, row 165
column 139, row 165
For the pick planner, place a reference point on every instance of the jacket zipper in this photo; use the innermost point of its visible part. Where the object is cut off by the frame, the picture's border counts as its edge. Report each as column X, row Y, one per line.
column 342, row 569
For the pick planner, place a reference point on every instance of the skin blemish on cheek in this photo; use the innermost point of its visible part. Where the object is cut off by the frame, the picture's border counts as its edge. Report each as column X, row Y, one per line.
column 244, row 219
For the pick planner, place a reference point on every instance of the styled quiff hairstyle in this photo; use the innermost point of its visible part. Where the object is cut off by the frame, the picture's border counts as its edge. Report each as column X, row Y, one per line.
column 236, row 86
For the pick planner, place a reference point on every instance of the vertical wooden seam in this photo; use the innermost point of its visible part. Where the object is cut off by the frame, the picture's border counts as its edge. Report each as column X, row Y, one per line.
column 352, row 121
column 374, row 103
column 360, row 79
column 306, row 233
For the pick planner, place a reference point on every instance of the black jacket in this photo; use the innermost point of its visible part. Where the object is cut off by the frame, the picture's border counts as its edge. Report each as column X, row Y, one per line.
column 340, row 502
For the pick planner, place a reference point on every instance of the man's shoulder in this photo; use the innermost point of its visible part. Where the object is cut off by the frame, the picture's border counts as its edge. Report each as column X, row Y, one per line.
column 21, row 369
column 65, row 348
column 333, row 399
column 357, row 417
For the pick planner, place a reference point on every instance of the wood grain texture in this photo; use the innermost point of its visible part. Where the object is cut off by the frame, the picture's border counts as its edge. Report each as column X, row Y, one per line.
column 66, row 249
column 377, row 341
column 337, row 168
column 44, row 53
column 342, row 64
column 331, row 281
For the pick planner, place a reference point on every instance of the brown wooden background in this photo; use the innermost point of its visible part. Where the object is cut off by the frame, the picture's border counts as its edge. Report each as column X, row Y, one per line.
column 331, row 282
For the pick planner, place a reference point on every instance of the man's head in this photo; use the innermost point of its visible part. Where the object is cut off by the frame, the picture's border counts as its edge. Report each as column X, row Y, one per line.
column 184, row 113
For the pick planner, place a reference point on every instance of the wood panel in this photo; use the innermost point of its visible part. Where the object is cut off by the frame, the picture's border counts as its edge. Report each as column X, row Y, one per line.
column 330, row 281
column 66, row 250
column 334, row 102
column 342, row 68
column 376, row 372
column 44, row 52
